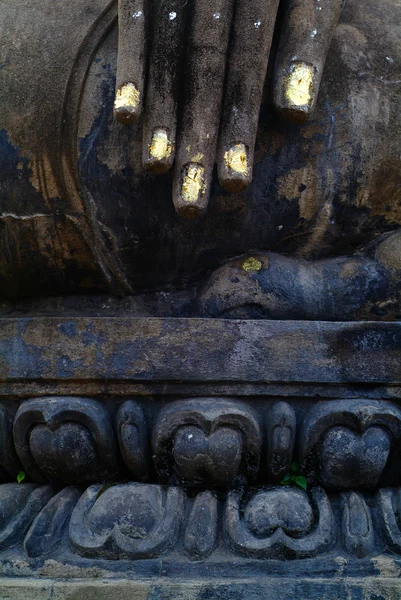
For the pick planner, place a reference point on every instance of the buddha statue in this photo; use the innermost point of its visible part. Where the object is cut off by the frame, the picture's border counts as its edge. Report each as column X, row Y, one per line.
column 113, row 118
column 234, row 164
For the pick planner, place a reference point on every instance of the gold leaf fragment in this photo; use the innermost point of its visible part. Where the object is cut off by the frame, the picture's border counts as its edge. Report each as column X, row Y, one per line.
column 236, row 159
column 252, row 265
column 127, row 96
column 299, row 85
column 160, row 147
column 193, row 183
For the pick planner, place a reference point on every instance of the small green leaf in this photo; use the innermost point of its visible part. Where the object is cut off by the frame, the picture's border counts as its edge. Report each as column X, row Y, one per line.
column 294, row 469
column 21, row 476
column 284, row 482
column 301, row 482
column 287, row 478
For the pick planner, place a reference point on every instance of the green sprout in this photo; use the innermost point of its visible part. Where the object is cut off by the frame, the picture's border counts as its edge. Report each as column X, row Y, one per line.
column 294, row 478
column 21, row 476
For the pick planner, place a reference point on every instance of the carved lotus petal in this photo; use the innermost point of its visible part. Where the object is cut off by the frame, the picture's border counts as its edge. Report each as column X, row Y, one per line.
column 215, row 458
column 135, row 510
column 130, row 520
column 353, row 460
column 66, row 453
column 288, row 509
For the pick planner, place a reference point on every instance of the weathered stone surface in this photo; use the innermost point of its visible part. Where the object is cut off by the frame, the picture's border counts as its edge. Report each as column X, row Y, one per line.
column 68, row 440
column 207, row 441
column 318, row 187
column 210, row 442
column 19, row 505
column 268, row 529
column 49, row 526
column 9, row 463
column 348, row 442
column 175, row 529
column 191, row 350
column 389, row 506
column 126, row 521
column 281, row 426
column 274, row 288
column 315, row 238
column 201, row 531
column 289, row 510
column 161, row 589
column 353, row 460
column 133, row 438
column 357, row 526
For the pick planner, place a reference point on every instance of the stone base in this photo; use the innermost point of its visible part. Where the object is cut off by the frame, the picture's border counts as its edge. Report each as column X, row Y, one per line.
column 375, row 588
column 215, row 417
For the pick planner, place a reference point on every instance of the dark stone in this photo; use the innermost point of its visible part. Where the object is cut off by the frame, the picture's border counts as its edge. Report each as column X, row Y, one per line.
column 206, row 359
column 126, row 521
column 48, row 528
column 19, row 505
column 268, row 530
column 10, row 465
column 207, row 441
column 352, row 460
column 196, row 351
column 253, row 286
column 357, row 525
column 79, row 230
column 349, row 442
column 69, row 440
column 201, row 531
column 133, row 439
column 390, row 510
column 214, row 459
column 285, row 509
column 281, row 431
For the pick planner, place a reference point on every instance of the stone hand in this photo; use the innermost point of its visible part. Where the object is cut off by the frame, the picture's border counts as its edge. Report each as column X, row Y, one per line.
column 205, row 69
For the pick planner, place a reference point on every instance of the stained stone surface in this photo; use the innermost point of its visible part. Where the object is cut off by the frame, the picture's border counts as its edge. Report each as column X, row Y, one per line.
column 200, row 367
column 288, row 510
column 161, row 499
column 80, row 215
column 282, row 589
column 352, row 460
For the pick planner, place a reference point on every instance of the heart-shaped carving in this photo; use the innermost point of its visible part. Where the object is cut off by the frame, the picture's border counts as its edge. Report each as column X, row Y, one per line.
column 66, row 454
column 213, row 459
column 352, row 460
column 288, row 509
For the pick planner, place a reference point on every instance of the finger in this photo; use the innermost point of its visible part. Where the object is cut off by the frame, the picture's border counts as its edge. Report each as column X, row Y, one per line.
column 302, row 53
column 162, row 88
column 209, row 35
column 130, row 61
column 249, row 53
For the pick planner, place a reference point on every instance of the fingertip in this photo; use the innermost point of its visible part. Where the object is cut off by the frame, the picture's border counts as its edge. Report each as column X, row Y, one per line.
column 190, row 193
column 127, row 104
column 158, row 155
column 296, row 92
column 235, row 168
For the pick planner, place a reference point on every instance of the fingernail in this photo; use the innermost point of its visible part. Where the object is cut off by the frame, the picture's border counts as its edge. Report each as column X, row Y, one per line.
column 160, row 147
column 159, row 158
column 235, row 174
column 192, row 202
column 127, row 104
column 298, row 86
column 236, row 159
column 193, row 183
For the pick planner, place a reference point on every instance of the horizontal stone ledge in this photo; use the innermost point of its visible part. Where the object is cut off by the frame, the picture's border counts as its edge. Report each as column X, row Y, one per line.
column 199, row 350
column 121, row 388
column 252, row 588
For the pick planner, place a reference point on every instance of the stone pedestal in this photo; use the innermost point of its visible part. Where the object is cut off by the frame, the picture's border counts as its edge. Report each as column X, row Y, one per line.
column 196, row 458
